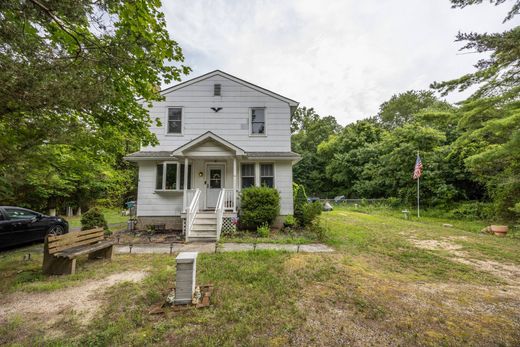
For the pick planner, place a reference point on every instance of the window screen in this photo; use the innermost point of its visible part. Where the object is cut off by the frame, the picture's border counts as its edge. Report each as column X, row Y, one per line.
column 258, row 121
column 175, row 121
column 248, row 175
column 267, row 175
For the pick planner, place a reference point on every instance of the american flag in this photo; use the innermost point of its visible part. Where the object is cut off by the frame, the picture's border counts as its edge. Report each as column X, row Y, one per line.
column 417, row 172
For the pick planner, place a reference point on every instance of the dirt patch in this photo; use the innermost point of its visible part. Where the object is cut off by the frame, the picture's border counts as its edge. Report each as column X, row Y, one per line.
column 435, row 245
column 508, row 272
column 50, row 307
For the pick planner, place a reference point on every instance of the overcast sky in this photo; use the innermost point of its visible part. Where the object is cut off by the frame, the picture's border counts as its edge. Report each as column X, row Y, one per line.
column 344, row 58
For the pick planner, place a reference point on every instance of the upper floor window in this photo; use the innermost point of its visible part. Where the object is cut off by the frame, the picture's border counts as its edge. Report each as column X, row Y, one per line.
column 258, row 121
column 216, row 89
column 174, row 125
column 267, row 175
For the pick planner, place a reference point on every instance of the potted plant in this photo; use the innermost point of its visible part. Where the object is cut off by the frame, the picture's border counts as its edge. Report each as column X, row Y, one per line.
column 499, row 230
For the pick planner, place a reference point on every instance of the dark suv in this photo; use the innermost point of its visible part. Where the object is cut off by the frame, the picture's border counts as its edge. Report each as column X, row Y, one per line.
column 20, row 225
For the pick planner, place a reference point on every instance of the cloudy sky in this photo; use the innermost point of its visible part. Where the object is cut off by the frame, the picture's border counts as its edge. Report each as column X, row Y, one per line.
column 344, row 58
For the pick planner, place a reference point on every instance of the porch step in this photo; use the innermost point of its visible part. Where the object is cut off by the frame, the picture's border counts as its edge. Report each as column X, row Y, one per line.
column 204, row 227
column 199, row 236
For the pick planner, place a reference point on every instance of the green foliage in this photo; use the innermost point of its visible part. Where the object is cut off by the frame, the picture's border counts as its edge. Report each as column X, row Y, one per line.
column 289, row 221
column 300, row 200
column 76, row 79
column 259, row 205
column 311, row 210
column 317, row 229
column 93, row 218
column 473, row 210
column 263, row 230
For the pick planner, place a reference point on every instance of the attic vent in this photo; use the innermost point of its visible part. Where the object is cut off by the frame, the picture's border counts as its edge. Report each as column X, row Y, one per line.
column 216, row 89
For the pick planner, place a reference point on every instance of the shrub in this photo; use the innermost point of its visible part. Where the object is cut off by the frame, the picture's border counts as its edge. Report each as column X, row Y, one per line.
column 393, row 202
column 263, row 230
column 259, row 205
column 310, row 212
column 473, row 210
column 289, row 221
column 300, row 200
column 93, row 218
column 317, row 229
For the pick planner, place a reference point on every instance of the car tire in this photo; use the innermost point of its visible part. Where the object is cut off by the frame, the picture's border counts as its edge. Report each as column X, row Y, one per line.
column 56, row 230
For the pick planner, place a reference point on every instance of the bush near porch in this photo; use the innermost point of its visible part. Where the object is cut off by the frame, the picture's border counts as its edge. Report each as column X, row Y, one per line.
column 259, row 205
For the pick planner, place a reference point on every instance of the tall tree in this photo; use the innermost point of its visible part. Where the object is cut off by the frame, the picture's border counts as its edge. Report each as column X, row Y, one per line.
column 69, row 68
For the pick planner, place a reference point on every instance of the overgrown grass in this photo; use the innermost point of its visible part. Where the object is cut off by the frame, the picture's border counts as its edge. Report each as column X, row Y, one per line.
column 377, row 289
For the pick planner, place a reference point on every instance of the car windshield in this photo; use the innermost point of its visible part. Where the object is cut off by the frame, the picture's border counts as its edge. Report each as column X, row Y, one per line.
column 16, row 213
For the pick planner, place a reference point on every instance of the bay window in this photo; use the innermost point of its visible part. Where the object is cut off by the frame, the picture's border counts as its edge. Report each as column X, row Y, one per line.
column 170, row 176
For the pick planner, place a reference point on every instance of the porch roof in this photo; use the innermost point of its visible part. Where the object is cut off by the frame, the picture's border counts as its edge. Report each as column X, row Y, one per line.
column 168, row 155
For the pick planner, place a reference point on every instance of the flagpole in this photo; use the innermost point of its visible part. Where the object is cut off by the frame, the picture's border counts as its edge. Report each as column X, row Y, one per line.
column 418, row 178
column 418, row 215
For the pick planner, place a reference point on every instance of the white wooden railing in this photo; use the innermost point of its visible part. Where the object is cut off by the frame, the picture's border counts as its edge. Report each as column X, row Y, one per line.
column 190, row 193
column 191, row 211
column 229, row 200
column 219, row 211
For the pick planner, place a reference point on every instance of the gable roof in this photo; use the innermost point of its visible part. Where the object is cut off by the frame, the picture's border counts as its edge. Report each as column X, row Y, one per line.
column 204, row 137
column 291, row 102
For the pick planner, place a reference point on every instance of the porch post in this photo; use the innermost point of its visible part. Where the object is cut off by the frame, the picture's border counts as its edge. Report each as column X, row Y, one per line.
column 234, row 184
column 184, row 199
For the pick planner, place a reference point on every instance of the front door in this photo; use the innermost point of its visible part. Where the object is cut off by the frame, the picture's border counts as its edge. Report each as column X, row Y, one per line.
column 214, row 183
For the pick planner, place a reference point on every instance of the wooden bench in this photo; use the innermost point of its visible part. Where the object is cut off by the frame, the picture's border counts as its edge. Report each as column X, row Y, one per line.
column 60, row 252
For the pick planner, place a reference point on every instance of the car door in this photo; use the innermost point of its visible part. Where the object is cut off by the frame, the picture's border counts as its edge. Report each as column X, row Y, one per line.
column 24, row 224
column 7, row 237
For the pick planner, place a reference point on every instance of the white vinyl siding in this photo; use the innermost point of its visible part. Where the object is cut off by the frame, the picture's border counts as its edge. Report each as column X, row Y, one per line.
column 232, row 122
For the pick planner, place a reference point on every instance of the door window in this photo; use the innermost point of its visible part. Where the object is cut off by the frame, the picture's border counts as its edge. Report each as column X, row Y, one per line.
column 215, row 178
column 15, row 213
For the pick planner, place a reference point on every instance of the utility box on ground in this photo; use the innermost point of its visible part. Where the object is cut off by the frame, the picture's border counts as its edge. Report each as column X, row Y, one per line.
column 185, row 277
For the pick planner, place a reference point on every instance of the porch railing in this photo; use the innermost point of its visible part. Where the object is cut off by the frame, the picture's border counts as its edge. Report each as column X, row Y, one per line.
column 191, row 211
column 190, row 193
column 229, row 200
column 219, row 211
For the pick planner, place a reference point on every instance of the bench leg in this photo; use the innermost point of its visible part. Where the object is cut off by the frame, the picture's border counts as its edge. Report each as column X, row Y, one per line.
column 58, row 266
column 105, row 253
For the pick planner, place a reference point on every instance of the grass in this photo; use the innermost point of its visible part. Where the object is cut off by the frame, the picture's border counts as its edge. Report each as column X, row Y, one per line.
column 112, row 215
column 377, row 289
column 278, row 237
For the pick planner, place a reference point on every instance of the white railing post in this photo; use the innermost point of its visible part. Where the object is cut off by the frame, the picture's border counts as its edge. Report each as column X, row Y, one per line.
column 219, row 211
column 191, row 212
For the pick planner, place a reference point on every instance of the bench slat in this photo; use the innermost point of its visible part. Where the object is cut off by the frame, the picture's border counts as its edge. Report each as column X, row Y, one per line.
column 76, row 244
column 78, row 238
column 77, row 251
column 72, row 234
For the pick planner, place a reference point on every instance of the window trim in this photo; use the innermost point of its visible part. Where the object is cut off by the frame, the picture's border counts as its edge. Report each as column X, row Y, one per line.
column 251, row 121
column 177, row 179
column 167, row 117
column 219, row 89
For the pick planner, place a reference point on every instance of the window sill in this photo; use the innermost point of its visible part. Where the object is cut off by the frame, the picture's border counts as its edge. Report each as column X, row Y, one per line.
column 257, row 135
column 161, row 191
column 176, row 135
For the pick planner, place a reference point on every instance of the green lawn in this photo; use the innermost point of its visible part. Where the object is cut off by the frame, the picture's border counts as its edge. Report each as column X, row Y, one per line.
column 112, row 215
column 381, row 287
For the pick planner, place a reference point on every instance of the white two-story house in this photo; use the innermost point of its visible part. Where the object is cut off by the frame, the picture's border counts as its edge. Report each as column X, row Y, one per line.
column 218, row 135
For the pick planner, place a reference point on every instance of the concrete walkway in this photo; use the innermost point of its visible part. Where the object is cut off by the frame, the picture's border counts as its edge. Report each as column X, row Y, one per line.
column 209, row 247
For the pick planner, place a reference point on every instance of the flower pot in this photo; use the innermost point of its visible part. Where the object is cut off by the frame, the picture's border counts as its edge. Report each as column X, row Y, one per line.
column 499, row 230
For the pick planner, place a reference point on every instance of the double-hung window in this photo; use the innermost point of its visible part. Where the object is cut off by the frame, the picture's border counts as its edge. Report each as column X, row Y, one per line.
column 170, row 176
column 258, row 121
column 248, row 175
column 267, row 175
column 174, row 125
